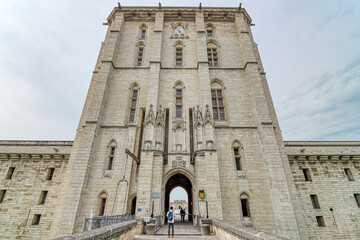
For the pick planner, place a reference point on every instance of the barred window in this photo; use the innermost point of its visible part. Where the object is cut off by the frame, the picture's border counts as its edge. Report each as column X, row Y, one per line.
column 143, row 33
column 133, row 102
column 179, row 103
column 218, row 104
column 179, row 56
column 140, row 55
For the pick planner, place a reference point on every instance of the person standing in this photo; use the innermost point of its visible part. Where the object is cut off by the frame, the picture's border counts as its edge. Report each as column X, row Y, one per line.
column 171, row 220
column 182, row 212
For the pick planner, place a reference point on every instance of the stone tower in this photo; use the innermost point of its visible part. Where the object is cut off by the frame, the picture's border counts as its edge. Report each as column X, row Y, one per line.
column 179, row 97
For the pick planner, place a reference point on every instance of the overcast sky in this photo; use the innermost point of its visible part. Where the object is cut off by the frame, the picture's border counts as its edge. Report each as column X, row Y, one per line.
column 310, row 52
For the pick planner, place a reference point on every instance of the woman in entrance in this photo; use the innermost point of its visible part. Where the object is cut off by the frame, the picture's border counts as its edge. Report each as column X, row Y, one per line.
column 171, row 219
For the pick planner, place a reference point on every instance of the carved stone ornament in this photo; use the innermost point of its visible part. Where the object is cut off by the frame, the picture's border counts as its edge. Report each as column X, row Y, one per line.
column 181, row 163
column 208, row 116
column 160, row 117
column 198, row 119
column 150, row 118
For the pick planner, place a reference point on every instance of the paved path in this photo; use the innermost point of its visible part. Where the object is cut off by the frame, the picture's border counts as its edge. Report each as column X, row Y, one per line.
column 183, row 230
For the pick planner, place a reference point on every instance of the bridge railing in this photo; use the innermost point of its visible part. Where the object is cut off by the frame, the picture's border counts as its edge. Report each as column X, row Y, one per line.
column 158, row 222
column 99, row 222
column 198, row 221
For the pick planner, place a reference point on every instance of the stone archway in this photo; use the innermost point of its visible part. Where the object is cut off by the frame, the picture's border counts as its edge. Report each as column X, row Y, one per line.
column 179, row 180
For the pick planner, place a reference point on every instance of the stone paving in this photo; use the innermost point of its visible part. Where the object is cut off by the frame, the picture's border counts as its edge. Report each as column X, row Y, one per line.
column 183, row 230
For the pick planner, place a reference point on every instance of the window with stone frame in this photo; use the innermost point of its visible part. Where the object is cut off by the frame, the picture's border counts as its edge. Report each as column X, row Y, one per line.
column 237, row 150
column 43, row 196
column 102, row 203
column 179, row 55
column 320, row 221
column 50, row 174
column 111, row 157
column 2, row 195
column 307, row 174
column 212, row 54
column 36, row 219
column 179, row 102
column 357, row 199
column 349, row 174
column 133, row 103
column 140, row 55
column 143, row 32
column 245, row 206
column 315, row 201
column 209, row 30
column 10, row 173
column 217, row 100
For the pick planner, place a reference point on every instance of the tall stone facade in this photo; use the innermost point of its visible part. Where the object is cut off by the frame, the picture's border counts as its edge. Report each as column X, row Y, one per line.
column 179, row 97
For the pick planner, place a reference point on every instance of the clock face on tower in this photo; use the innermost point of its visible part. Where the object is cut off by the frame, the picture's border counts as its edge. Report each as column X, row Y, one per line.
column 179, row 31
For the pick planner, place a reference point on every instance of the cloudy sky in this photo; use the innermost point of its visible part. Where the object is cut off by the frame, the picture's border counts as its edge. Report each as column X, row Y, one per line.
column 310, row 51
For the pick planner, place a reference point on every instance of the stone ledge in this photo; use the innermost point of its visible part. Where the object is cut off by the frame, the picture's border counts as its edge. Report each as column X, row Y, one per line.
column 108, row 232
column 244, row 233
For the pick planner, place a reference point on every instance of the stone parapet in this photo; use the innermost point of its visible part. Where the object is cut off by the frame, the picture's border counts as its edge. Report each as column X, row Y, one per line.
column 124, row 230
column 226, row 230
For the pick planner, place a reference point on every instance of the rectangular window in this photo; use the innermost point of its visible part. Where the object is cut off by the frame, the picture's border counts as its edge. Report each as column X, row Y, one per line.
column 315, row 201
column 179, row 103
column 133, row 106
column 320, row 221
column 212, row 57
column 2, row 195
column 349, row 174
column 43, row 197
column 50, row 173
column 307, row 174
column 178, row 56
column 102, row 206
column 237, row 159
column 357, row 199
column 10, row 173
column 111, row 158
column 36, row 219
column 140, row 55
column 218, row 104
column 245, row 207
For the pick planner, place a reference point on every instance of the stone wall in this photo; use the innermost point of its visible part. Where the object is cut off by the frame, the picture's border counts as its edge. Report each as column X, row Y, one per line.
column 326, row 162
column 32, row 161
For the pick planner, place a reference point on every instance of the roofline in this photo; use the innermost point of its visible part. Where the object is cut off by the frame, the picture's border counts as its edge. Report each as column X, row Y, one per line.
column 35, row 143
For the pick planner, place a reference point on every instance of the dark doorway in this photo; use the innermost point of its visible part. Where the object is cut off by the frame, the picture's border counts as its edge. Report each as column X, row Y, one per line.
column 179, row 180
column 133, row 206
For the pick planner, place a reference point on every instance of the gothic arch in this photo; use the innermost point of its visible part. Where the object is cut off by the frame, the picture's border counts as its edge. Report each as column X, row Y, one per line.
column 103, row 191
column 111, row 142
column 182, row 171
column 212, row 42
column 134, row 85
column 217, row 83
column 245, row 192
column 179, row 43
column 236, row 143
column 179, row 83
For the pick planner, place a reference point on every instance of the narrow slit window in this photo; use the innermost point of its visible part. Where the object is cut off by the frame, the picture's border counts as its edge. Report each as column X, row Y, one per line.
column 307, row 174
column 133, row 105
column 179, row 56
column 218, row 104
column 140, row 55
column 10, row 173
column 320, row 221
column 315, row 201
column 245, row 207
column 349, row 174
column 111, row 158
column 143, row 33
column 237, row 158
column 43, row 197
column 2, row 195
column 179, row 103
column 209, row 31
column 36, row 219
column 212, row 57
column 357, row 199
column 50, row 174
column 102, row 206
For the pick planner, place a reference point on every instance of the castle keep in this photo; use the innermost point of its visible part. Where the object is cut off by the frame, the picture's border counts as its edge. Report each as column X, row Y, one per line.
column 179, row 97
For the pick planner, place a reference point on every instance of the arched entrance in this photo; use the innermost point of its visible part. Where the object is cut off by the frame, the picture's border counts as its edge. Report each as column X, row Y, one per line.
column 133, row 206
column 179, row 180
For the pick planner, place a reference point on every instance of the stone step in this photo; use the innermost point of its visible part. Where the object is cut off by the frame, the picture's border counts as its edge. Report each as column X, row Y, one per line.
column 179, row 237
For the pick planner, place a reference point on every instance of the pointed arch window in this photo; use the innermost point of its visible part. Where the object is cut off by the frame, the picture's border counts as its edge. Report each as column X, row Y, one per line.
column 212, row 53
column 179, row 55
column 133, row 102
column 217, row 99
column 143, row 33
